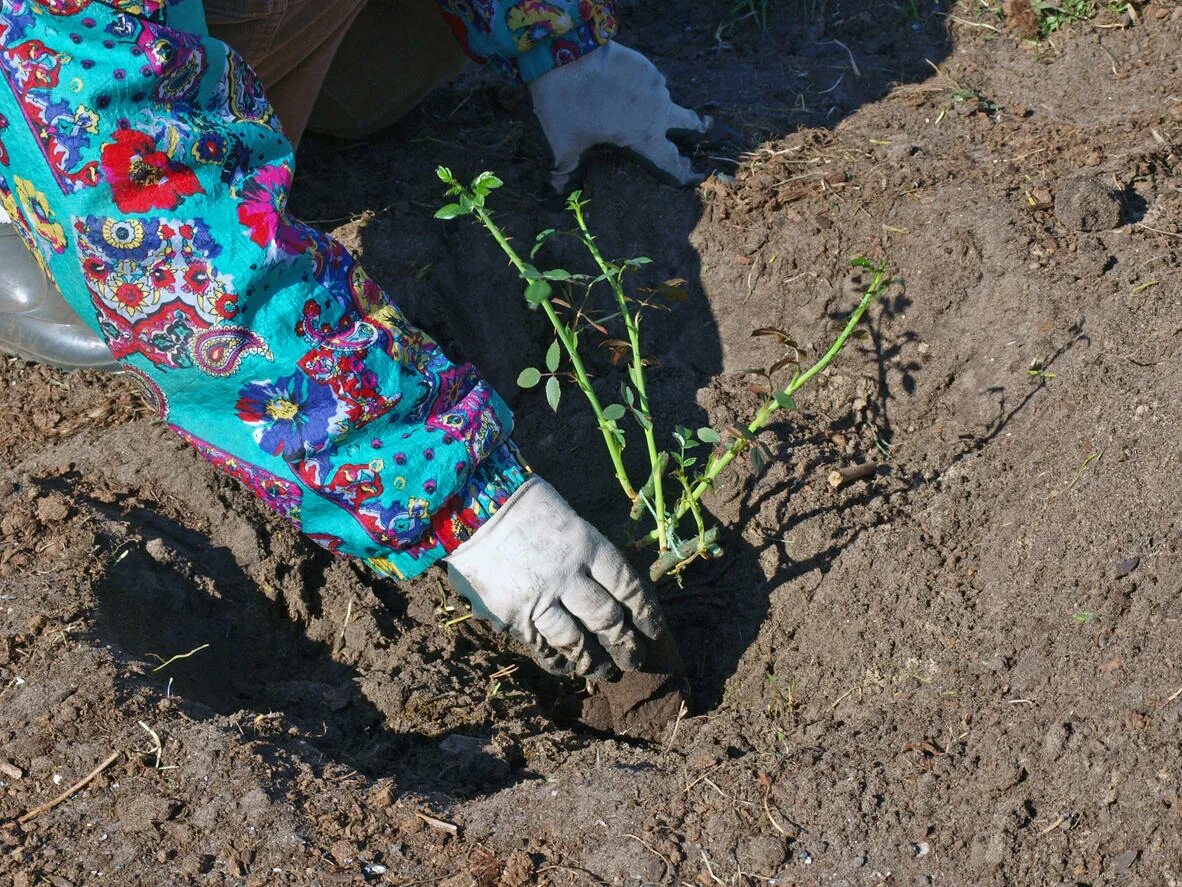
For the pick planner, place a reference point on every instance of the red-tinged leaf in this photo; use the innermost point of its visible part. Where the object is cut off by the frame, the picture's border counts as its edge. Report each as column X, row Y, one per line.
column 783, row 362
column 619, row 348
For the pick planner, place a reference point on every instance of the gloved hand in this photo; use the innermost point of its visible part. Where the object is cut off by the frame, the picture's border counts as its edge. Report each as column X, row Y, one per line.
column 614, row 95
column 549, row 577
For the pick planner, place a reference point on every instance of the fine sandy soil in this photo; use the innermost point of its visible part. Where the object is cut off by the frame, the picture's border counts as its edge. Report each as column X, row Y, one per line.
column 966, row 670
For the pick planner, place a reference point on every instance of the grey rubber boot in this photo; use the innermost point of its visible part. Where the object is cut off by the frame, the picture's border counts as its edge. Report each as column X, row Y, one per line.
column 36, row 323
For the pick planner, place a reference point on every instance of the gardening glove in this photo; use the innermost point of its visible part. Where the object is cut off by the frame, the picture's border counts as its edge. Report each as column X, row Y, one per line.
column 615, row 96
column 549, row 577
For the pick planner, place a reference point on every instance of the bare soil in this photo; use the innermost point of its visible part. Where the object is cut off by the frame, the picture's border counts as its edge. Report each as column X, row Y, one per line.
column 964, row 670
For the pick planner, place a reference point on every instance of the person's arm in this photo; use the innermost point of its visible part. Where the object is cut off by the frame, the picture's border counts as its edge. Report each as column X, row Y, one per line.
column 587, row 89
column 525, row 39
column 149, row 173
column 147, row 170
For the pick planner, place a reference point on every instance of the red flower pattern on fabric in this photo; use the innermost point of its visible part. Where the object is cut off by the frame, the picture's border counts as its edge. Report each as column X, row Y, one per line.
column 143, row 178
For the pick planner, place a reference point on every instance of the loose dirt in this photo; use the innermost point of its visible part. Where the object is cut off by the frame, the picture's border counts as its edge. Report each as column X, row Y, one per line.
column 966, row 669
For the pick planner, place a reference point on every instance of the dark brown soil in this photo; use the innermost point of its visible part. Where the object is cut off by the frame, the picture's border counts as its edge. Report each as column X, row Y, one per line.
column 966, row 670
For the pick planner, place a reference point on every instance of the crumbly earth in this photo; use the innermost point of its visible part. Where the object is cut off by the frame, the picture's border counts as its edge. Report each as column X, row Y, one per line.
column 965, row 670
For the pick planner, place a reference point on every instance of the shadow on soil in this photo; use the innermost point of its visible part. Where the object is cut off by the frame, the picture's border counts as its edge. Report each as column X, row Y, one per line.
column 169, row 596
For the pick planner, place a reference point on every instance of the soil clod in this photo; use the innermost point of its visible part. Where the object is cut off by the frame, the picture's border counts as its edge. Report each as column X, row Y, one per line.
column 1084, row 203
column 641, row 704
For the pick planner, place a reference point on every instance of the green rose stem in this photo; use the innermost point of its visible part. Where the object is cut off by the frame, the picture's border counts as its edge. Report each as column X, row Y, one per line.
column 613, row 274
column 471, row 202
column 674, row 553
column 780, row 400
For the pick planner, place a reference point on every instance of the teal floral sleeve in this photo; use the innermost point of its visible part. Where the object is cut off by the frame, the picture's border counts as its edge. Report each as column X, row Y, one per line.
column 527, row 38
column 146, row 169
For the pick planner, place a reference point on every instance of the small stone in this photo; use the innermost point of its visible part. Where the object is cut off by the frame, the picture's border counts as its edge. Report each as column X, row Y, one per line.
column 1124, row 861
column 158, row 551
column 921, row 849
column 1126, row 566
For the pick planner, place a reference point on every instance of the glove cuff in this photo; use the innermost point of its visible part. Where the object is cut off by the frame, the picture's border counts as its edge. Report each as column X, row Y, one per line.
column 535, row 497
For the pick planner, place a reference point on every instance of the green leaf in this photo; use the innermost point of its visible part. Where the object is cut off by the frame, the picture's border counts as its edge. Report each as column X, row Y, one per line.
column 529, row 377
column 486, row 182
column 553, row 356
column 553, row 392
column 614, row 412
column 638, row 261
column 450, row 211
column 538, row 292
column 542, row 237
column 861, row 262
column 784, row 400
column 444, row 174
column 467, row 203
column 706, row 434
column 644, row 420
column 557, row 274
column 629, row 397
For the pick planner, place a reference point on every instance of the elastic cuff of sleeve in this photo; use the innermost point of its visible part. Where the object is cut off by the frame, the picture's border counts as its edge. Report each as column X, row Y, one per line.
column 554, row 52
column 491, row 485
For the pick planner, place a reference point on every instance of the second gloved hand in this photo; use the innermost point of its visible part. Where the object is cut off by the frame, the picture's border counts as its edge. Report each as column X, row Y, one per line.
column 549, row 577
column 614, row 96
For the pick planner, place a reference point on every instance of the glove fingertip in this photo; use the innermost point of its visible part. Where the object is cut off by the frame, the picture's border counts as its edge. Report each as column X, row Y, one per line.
column 632, row 659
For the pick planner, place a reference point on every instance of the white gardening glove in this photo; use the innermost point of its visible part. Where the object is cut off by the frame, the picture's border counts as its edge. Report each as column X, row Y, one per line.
column 549, row 577
column 613, row 95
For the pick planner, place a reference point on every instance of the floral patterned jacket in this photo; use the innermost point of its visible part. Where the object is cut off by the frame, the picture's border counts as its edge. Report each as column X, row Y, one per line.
column 142, row 162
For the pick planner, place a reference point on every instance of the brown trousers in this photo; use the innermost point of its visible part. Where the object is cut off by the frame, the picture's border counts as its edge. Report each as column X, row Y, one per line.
column 344, row 67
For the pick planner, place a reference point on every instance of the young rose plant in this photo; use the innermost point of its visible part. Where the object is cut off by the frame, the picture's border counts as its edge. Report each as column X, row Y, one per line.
column 677, row 476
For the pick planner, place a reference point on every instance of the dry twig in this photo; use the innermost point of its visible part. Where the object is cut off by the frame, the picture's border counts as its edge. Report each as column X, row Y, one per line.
column 73, row 789
column 845, row 476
